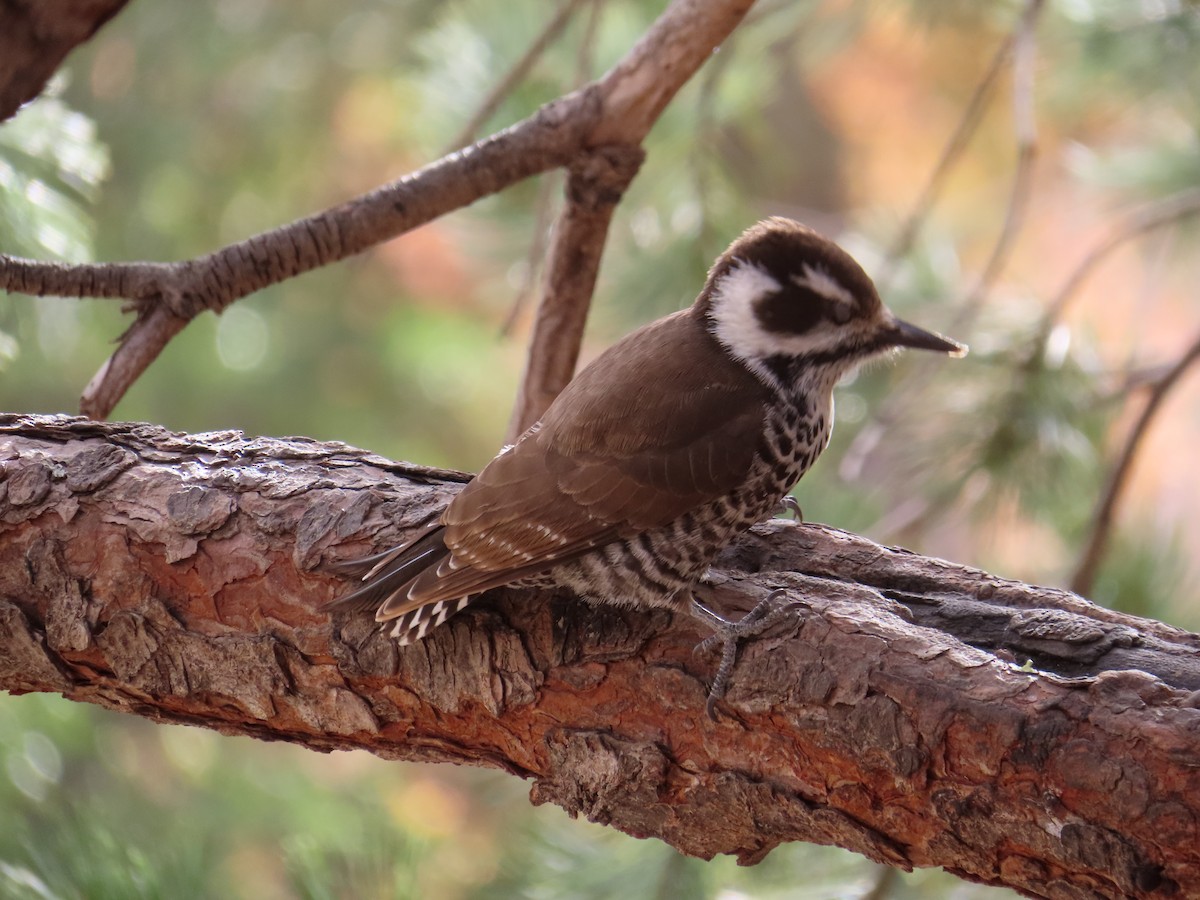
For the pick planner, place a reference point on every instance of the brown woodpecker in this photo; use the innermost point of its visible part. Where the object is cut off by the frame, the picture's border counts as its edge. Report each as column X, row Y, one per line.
column 671, row 443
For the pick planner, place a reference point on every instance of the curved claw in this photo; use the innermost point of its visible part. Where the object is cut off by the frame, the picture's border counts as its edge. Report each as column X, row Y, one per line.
column 729, row 634
column 789, row 504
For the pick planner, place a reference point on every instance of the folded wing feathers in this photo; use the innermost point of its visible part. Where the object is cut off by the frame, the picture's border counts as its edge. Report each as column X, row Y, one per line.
column 574, row 485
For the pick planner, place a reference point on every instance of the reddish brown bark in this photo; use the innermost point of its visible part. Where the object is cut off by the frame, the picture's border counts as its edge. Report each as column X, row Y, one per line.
column 179, row 577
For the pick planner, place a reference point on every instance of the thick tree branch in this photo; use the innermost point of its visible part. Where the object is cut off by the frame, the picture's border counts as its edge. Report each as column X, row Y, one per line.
column 180, row 577
column 618, row 109
column 36, row 36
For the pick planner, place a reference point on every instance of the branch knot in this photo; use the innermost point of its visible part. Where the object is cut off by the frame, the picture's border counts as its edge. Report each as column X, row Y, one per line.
column 600, row 177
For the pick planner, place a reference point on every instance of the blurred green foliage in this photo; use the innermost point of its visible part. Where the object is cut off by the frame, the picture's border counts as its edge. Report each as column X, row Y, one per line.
column 180, row 128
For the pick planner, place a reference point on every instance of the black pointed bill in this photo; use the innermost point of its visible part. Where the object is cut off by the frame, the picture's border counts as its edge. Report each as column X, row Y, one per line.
column 903, row 334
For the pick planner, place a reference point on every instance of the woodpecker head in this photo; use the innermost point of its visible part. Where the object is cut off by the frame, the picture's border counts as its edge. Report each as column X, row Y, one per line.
column 782, row 296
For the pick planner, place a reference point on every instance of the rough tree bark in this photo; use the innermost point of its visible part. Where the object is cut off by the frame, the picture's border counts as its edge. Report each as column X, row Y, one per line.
column 180, row 577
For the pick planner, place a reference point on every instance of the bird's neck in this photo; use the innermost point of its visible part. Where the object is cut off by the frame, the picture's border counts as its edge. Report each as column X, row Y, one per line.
column 799, row 379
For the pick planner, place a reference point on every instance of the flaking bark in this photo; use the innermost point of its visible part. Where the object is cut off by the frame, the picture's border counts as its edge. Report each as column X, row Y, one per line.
column 181, row 577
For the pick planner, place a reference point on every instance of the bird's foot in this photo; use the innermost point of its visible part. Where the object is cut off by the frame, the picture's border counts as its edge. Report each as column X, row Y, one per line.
column 729, row 634
column 789, row 504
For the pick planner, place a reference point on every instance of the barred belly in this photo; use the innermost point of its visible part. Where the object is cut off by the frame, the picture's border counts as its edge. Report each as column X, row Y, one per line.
column 661, row 567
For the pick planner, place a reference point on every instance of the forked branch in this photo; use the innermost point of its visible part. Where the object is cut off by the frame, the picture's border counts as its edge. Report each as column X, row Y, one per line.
column 615, row 111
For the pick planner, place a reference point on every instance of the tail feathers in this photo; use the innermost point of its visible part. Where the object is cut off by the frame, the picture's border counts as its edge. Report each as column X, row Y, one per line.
column 386, row 574
column 357, row 568
column 416, row 623
column 386, row 579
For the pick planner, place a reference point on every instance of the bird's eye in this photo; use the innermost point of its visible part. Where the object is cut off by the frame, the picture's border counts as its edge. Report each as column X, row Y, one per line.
column 840, row 313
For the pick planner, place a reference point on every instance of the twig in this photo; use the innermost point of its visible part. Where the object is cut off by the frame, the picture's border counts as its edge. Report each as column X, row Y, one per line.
column 545, row 196
column 1133, row 378
column 1025, row 126
column 1102, row 522
column 619, row 109
column 1023, row 45
column 537, row 251
column 183, row 290
column 516, row 74
column 593, row 190
column 1149, row 217
column 954, row 148
column 151, row 331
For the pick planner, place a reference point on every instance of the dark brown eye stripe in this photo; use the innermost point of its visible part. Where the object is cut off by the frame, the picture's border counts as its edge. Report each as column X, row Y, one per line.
column 792, row 310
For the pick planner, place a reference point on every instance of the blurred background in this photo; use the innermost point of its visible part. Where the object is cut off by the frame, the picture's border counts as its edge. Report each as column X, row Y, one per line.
column 182, row 127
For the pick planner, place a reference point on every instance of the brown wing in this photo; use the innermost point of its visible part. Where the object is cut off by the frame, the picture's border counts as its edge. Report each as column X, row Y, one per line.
column 595, row 470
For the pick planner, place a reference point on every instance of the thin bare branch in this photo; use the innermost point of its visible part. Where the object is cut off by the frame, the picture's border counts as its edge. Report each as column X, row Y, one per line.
column 542, row 207
column 963, row 132
column 619, row 109
column 1106, row 510
column 593, row 190
column 547, row 140
column 151, row 331
column 1145, row 219
column 515, row 75
column 1025, row 128
column 895, row 407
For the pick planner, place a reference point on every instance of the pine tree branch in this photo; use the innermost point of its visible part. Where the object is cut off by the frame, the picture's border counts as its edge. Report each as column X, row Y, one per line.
column 1106, row 510
column 181, row 578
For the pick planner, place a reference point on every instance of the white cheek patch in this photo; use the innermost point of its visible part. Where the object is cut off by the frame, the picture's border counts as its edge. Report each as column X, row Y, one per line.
column 736, row 323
